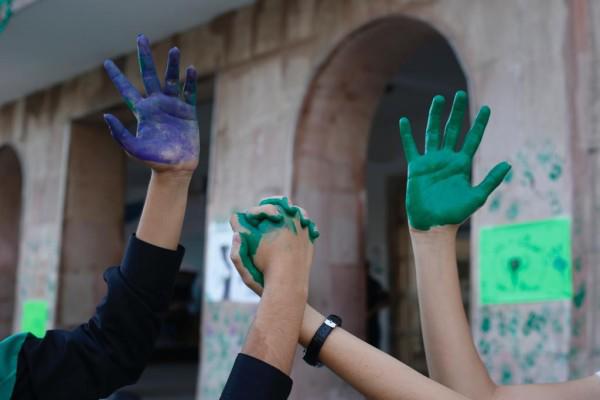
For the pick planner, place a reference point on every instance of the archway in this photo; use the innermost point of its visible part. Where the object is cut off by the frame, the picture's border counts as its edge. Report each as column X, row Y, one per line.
column 366, row 81
column 10, row 215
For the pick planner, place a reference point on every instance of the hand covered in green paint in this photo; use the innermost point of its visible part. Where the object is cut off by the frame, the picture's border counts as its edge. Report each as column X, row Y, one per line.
column 273, row 243
column 439, row 190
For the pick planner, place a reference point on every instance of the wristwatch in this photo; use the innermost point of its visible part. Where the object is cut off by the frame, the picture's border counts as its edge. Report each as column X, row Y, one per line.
column 311, row 354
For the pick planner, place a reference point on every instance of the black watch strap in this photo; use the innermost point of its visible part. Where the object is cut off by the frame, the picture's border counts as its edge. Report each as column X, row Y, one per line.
column 311, row 354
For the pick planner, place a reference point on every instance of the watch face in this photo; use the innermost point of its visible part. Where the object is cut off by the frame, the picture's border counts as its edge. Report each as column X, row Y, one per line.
column 335, row 320
column 330, row 323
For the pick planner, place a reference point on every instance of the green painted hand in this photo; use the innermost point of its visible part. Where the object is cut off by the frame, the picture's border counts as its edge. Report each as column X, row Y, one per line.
column 439, row 190
column 271, row 216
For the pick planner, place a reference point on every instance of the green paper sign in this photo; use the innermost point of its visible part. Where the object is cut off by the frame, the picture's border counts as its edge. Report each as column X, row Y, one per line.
column 35, row 317
column 526, row 263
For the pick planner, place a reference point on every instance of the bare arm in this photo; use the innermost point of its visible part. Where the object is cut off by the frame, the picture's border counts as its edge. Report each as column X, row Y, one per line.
column 372, row 372
column 167, row 140
column 273, row 242
column 164, row 209
column 439, row 198
column 451, row 355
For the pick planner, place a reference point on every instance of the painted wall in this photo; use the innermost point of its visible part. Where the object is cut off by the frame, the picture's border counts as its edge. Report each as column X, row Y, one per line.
column 537, row 77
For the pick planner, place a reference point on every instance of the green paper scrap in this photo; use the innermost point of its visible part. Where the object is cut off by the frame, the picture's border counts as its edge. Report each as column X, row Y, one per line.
column 35, row 317
column 526, row 263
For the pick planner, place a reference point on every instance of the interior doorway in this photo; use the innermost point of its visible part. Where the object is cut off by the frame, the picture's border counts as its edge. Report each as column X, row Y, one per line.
column 349, row 173
column 10, row 215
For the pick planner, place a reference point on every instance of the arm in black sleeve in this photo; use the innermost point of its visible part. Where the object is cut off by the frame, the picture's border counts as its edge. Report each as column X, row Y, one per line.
column 253, row 379
column 112, row 348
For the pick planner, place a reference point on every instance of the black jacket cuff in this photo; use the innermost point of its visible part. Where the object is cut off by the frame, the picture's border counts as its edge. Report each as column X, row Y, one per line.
column 150, row 271
column 254, row 379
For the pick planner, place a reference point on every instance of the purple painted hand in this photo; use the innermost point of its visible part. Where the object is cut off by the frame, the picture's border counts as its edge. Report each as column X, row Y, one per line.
column 167, row 136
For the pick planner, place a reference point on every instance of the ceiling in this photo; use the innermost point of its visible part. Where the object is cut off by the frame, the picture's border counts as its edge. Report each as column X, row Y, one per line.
column 49, row 41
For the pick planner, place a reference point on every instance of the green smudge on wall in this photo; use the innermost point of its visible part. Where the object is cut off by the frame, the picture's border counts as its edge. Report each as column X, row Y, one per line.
column 555, row 172
column 486, row 324
column 495, row 202
column 513, row 211
column 529, row 177
column 579, row 297
column 535, row 323
column 506, row 375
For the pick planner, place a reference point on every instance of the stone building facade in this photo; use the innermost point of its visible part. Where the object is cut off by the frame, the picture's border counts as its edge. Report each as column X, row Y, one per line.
column 296, row 87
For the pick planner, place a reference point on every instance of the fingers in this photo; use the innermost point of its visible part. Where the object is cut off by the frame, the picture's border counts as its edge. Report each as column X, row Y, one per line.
column 172, row 73
column 454, row 124
column 127, row 90
column 147, row 68
column 408, row 141
column 476, row 132
column 270, row 213
column 432, row 132
column 189, row 89
column 493, row 179
column 121, row 134
column 235, row 223
column 236, row 259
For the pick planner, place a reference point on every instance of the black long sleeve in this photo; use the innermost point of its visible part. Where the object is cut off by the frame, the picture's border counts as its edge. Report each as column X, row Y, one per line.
column 253, row 379
column 113, row 347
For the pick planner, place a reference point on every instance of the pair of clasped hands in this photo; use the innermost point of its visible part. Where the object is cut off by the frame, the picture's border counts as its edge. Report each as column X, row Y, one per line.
column 274, row 241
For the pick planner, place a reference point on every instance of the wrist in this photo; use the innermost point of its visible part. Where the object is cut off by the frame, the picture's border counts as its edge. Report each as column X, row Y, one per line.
column 437, row 233
column 292, row 288
column 172, row 178
column 287, row 275
column 310, row 323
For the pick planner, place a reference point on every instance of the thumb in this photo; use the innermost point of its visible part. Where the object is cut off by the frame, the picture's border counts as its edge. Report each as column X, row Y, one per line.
column 125, row 139
column 493, row 179
column 236, row 258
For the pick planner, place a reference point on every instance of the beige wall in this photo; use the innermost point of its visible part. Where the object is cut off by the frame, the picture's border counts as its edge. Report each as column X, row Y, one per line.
column 518, row 58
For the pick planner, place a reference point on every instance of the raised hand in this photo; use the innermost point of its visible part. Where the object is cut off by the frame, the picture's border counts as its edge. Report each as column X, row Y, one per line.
column 275, row 232
column 439, row 190
column 167, row 136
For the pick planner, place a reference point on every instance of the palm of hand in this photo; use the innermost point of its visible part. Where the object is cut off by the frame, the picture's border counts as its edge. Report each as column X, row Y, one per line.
column 168, row 124
column 439, row 190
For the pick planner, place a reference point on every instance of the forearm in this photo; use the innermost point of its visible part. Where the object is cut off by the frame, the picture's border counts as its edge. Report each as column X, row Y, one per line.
column 273, row 336
column 451, row 355
column 372, row 372
column 164, row 209
column 581, row 389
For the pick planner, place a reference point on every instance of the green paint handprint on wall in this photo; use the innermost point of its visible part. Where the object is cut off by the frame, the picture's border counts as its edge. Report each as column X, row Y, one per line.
column 439, row 190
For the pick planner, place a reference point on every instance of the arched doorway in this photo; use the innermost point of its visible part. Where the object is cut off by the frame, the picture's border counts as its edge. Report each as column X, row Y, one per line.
column 348, row 155
column 10, row 215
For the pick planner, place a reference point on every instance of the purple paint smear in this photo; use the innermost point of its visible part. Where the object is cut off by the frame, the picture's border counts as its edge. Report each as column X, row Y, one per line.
column 167, row 131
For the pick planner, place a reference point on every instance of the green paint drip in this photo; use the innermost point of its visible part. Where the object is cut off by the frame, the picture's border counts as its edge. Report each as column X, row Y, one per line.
column 262, row 224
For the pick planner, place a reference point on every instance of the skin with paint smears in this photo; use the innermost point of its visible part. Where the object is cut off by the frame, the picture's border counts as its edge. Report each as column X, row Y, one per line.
column 439, row 190
column 167, row 131
column 257, row 226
